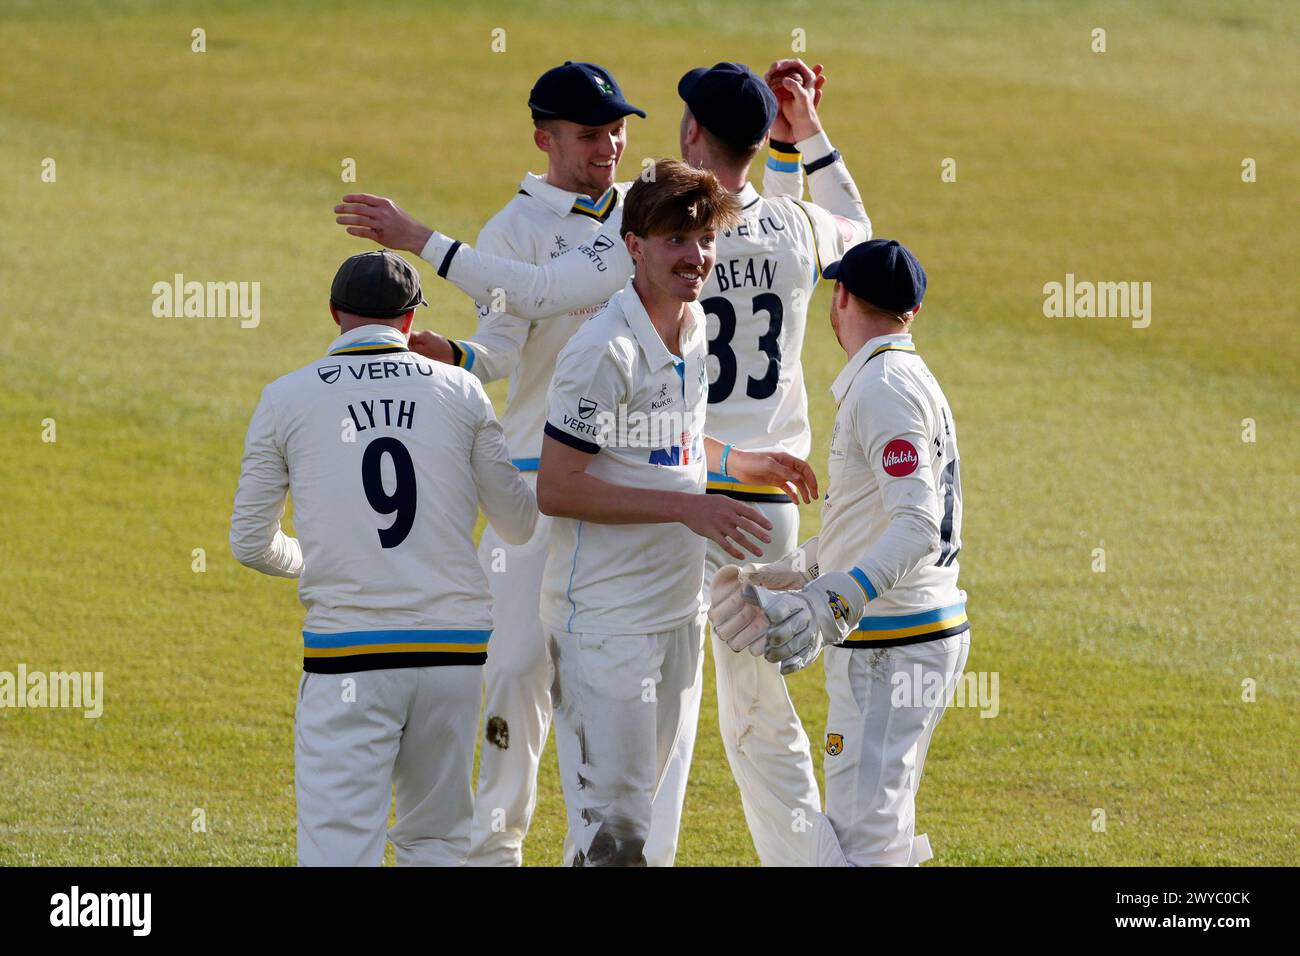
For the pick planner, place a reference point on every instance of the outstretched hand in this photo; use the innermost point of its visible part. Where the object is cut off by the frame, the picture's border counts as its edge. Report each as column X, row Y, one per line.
column 383, row 221
column 793, row 475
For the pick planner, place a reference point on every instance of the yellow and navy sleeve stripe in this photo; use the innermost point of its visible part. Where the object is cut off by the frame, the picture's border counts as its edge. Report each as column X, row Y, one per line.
column 462, row 354
column 720, row 484
column 375, row 650
column 896, row 630
column 782, row 157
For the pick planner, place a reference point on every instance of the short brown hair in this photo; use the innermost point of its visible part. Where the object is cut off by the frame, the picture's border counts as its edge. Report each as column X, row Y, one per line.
column 678, row 198
column 735, row 155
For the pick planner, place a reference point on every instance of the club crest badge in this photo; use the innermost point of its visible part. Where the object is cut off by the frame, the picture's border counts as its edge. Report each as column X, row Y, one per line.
column 834, row 744
column 839, row 606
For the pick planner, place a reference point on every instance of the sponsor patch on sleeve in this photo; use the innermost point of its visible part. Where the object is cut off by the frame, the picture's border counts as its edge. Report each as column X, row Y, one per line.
column 900, row 458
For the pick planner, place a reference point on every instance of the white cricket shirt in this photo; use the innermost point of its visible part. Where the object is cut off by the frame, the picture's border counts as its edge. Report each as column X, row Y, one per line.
column 616, row 370
column 388, row 456
column 892, row 514
column 756, row 298
column 540, row 223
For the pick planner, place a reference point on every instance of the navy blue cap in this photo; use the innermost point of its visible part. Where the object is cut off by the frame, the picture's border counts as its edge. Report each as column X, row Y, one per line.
column 731, row 101
column 580, row 93
column 378, row 284
column 883, row 272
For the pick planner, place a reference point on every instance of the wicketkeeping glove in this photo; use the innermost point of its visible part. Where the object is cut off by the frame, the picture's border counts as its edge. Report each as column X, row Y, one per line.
column 796, row 569
column 799, row 622
column 734, row 612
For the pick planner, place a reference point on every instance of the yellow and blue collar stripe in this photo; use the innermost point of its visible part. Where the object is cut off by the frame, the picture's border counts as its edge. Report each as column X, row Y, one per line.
column 373, row 650
column 909, row 628
column 596, row 208
column 893, row 347
column 368, row 348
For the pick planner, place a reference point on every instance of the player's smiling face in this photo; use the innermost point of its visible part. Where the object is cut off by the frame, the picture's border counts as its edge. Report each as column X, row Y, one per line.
column 584, row 159
column 676, row 264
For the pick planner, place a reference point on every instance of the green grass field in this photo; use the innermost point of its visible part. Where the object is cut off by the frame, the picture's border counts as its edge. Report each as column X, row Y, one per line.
column 1120, row 691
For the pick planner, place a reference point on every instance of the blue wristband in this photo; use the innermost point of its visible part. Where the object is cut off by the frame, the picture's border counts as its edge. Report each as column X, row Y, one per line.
column 725, row 452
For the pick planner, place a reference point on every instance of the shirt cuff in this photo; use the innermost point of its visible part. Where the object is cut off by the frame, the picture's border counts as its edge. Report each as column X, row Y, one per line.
column 782, row 157
column 462, row 354
column 865, row 583
column 573, row 441
column 439, row 251
column 814, row 147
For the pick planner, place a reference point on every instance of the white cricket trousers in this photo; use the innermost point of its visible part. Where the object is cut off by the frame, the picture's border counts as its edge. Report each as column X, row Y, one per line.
column 517, row 702
column 762, row 735
column 884, row 705
column 357, row 737
column 620, row 701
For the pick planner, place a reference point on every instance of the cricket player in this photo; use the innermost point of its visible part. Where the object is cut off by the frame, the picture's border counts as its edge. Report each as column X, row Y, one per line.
column 388, row 456
column 879, row 585
column 623, row 471
column 580, row 122
column 757, row 296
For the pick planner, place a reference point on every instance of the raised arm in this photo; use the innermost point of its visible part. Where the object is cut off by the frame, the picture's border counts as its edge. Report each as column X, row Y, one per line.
column 799, row 144
column 782, row 174
column 586, row 275
column 494, row 350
